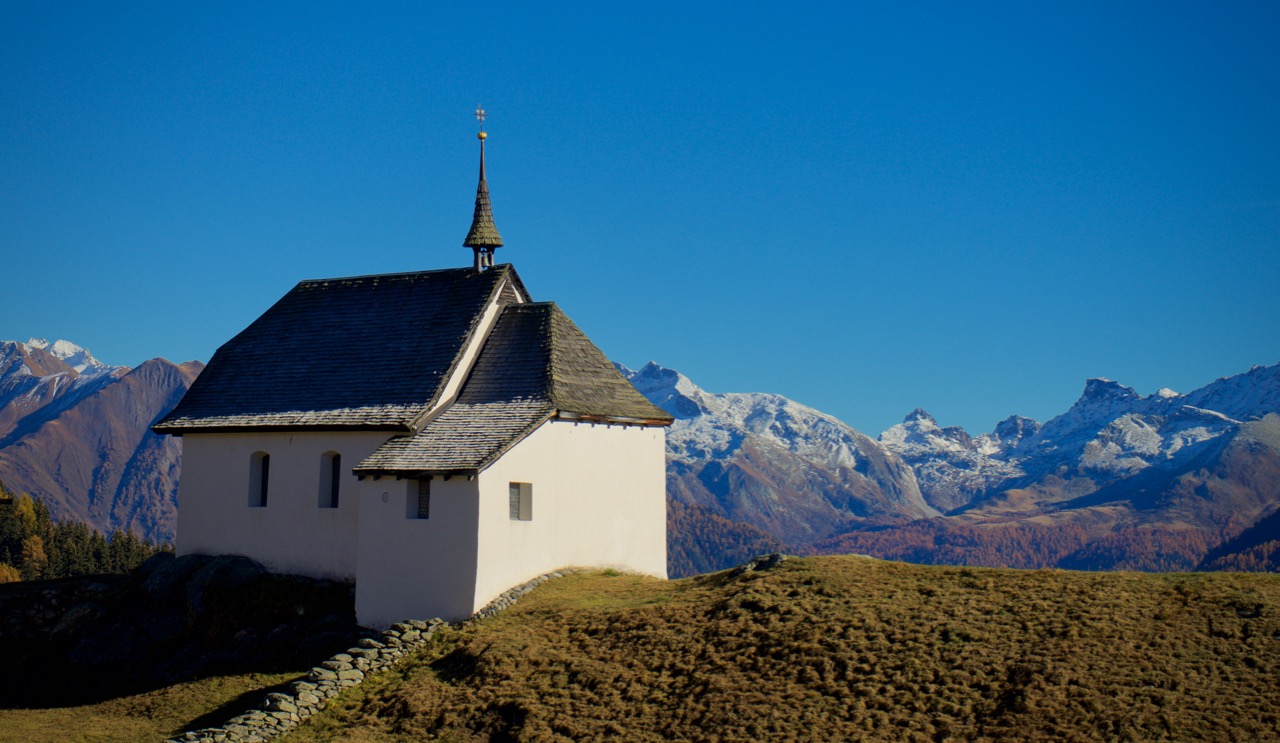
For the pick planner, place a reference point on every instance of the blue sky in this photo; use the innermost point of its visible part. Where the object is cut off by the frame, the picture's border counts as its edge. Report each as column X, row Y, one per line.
column 966, row 207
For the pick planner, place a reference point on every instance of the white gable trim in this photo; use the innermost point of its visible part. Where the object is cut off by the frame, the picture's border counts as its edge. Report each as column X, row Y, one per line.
column 452, row 386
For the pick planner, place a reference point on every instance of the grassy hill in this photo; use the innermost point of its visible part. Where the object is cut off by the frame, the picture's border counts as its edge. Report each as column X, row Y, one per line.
column 845, row 648
column 834, row 648
column 146, row 716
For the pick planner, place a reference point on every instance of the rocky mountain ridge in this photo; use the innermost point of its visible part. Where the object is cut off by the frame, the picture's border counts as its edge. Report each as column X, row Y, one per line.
column 952, row 467
column 75, row 432
column 1109, row 434
column 1186, row 471
column 756, row 471
column 36, row 384
column 764, row 460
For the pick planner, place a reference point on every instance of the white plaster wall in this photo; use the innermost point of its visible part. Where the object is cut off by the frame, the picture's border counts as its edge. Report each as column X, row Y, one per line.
column 413, row 568
column 599, row 499
column 292, row 534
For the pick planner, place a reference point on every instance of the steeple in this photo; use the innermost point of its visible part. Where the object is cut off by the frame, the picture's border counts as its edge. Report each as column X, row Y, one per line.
column 483, row 238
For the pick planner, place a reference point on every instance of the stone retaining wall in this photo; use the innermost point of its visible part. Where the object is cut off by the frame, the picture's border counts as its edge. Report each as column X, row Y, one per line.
column 511, row 595
column 280, row 712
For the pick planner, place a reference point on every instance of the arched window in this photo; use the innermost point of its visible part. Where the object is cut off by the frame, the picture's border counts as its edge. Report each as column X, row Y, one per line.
column 259, row 477
column 330, row 478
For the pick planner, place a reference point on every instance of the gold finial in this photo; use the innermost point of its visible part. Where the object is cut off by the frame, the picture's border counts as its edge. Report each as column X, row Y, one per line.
column 480, row 114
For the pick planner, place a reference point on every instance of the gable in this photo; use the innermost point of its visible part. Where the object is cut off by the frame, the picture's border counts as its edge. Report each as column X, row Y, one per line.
column 361, row 352
column 535, row 365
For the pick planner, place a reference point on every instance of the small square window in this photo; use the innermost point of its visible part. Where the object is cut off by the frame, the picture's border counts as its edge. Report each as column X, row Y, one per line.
column 520, row 501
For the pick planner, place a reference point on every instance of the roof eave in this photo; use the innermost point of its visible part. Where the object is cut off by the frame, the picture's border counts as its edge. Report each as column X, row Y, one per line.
column 414, row 474
column 180, row 429
column 612, row 419
column 481, row 466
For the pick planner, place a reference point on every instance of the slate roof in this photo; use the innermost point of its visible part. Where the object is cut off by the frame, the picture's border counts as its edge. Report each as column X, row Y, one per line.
column 367, row 352
column 535, row 365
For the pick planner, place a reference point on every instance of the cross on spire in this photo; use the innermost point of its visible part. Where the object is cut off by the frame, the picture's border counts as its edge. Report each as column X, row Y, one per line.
column 483, row 237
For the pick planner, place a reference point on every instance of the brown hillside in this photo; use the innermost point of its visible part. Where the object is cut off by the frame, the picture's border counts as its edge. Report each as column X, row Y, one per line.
column 699, row 541
column 32, row 395
column 97, row 462
column 843, row 648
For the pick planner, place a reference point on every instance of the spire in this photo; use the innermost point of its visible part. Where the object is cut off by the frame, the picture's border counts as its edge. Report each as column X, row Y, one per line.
column 483, row 238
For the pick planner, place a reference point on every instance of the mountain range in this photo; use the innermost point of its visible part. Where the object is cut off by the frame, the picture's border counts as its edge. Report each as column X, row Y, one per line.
column 75, row 432
column 1162, row 482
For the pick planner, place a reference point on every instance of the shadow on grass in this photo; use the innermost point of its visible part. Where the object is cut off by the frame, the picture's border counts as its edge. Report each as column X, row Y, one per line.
column 459, row 664
column 175, row 619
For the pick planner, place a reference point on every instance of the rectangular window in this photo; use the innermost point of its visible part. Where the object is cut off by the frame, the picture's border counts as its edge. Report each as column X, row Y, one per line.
column 424, row 499
column 520, row 501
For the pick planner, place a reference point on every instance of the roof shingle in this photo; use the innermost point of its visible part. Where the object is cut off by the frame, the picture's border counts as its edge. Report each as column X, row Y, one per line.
column 361, row 352
column 535, row 364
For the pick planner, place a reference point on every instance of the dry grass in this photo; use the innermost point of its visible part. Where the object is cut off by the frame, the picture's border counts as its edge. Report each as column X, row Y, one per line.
column 846, row 648
column 151, row 716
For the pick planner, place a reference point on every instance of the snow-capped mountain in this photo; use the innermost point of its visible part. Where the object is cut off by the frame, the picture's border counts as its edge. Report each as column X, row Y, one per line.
column 1109, row 434
column 1112, row 429
column 75, row 356
column 74, row 432
column 1117, row 480
column 768, row 461
column 1243, row 397
column 952, row 467
column 36, row 383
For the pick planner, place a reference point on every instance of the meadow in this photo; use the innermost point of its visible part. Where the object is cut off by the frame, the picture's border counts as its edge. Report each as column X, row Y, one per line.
column 147, row 716
column 831, row 648
column 845, row 648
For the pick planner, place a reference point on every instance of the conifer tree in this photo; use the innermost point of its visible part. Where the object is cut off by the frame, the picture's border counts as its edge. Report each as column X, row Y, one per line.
column 32, row 546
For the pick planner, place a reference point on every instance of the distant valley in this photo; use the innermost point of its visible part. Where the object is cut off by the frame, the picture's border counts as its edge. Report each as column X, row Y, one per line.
column 1118, row 481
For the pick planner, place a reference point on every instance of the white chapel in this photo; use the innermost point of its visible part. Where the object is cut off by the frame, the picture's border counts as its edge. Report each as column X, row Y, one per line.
column 435, row 437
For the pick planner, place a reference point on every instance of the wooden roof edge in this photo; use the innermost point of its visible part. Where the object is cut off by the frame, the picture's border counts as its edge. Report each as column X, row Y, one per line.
column 481, row 466
column 178, row 429
column 412, row 474
column 612, row 419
